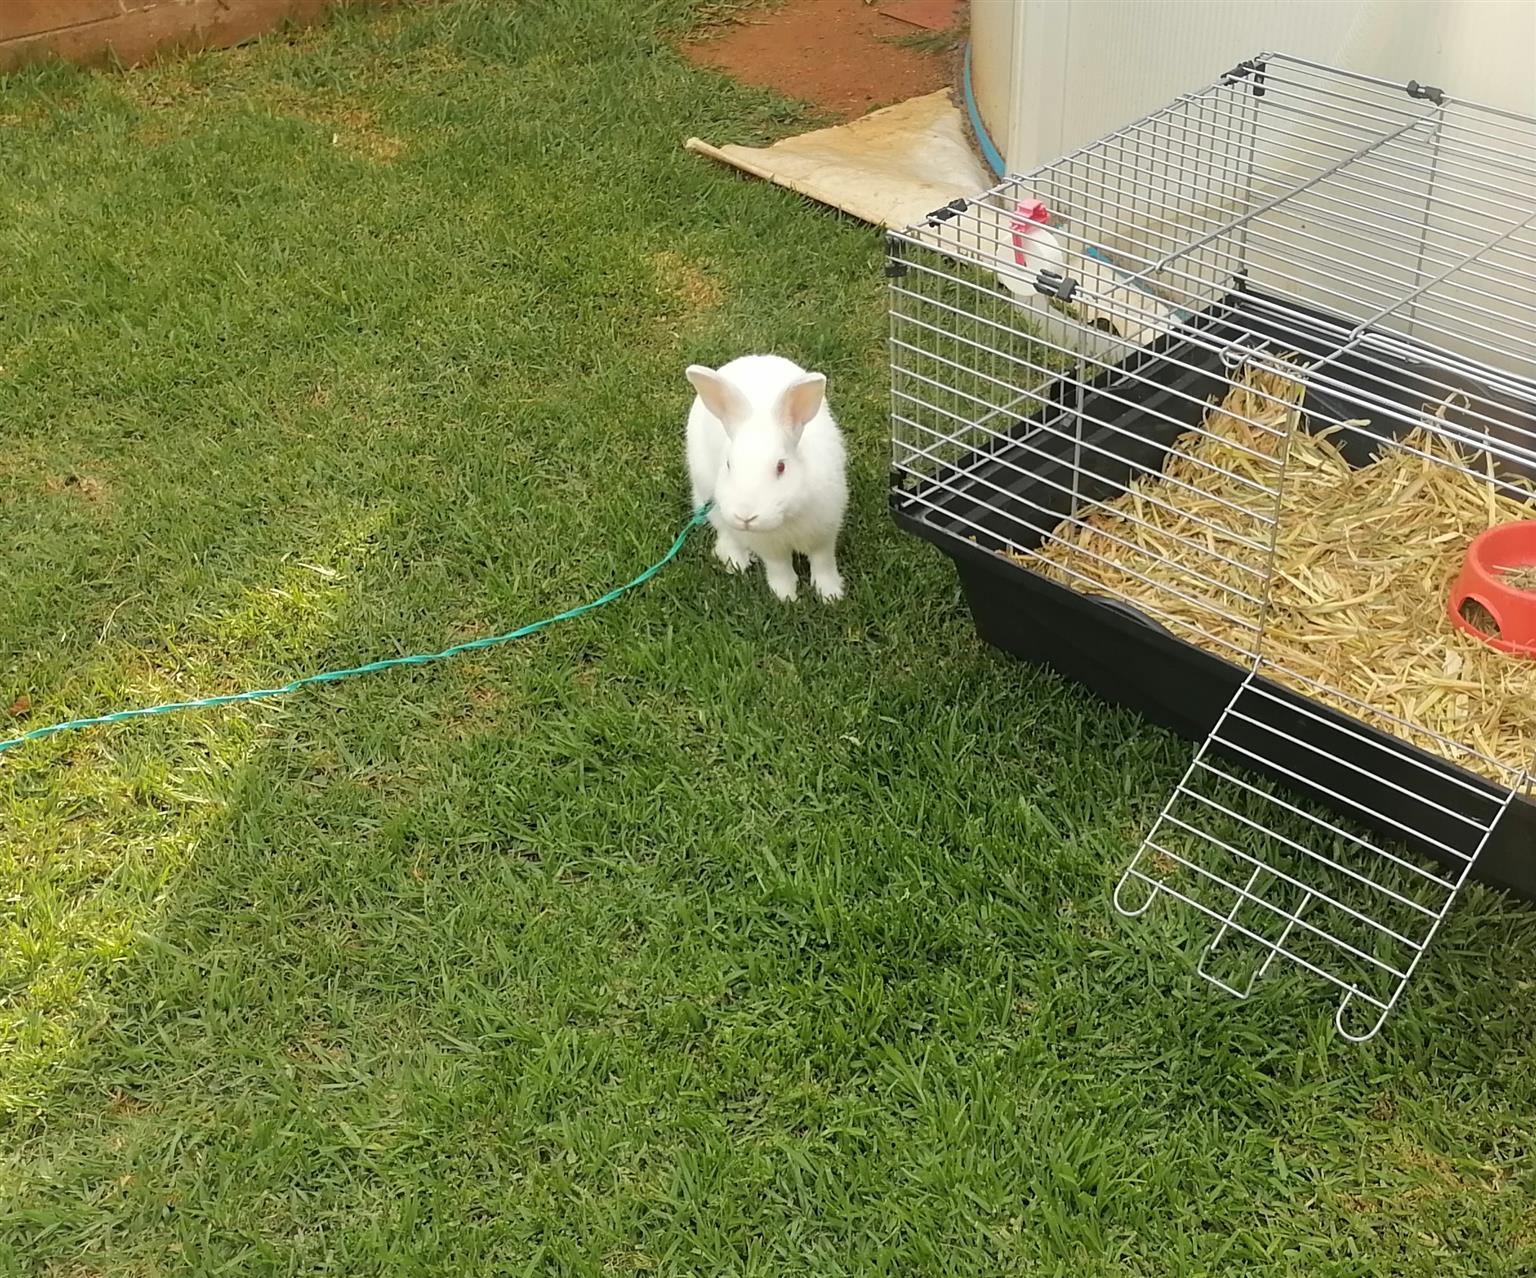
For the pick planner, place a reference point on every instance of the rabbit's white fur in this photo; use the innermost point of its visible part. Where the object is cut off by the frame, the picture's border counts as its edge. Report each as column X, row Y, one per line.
column 749, row 418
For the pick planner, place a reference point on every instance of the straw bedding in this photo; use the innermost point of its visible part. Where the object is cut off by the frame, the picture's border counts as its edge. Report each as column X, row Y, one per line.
column 1364, row 560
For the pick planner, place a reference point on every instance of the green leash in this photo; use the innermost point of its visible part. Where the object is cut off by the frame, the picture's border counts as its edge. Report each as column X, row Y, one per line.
column 333, row 676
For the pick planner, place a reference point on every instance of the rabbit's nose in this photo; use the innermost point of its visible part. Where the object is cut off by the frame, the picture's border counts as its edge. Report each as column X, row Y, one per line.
column 746, row 521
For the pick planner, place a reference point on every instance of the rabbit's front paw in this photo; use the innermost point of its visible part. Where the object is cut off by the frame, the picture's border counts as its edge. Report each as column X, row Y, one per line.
column 825, row 576
column 782, row 581
column 829, row 588
column 735, row 556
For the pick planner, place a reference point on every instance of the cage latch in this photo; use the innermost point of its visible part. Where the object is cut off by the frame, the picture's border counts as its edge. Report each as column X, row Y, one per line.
column 1254, row 67
column 901, row 488
column 953, row 209
column 1061, row 287
column 1426, row 92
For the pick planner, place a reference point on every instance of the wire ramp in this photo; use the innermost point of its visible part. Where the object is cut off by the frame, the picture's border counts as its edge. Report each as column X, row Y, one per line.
column 1354, row 902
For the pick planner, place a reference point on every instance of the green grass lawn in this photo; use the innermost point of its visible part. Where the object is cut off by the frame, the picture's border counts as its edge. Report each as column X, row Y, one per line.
column 702, row 936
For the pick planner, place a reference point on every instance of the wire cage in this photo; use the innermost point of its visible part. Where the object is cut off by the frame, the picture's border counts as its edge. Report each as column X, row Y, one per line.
column 1216, row 438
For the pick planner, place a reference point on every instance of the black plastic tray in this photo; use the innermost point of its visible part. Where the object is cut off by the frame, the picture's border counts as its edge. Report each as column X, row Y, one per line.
column 1128, row 658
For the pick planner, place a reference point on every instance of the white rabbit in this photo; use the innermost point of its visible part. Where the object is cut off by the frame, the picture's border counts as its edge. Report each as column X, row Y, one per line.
column 763, row 447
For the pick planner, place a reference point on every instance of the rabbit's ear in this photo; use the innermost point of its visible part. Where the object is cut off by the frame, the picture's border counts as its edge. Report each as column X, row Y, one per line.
column 800, row 401
column 722, row 399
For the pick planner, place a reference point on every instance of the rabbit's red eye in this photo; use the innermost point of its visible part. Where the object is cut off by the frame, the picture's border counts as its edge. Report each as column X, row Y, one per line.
column 780, row 469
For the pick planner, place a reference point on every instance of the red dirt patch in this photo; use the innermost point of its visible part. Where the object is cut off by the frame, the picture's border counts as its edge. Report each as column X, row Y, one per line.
column 929, row 15
column 841, row 55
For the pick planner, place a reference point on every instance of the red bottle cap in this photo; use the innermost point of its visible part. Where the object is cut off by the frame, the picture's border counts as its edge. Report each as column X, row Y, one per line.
column 1030, row 211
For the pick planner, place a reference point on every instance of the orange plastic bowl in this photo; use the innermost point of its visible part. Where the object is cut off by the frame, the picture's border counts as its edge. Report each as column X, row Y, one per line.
column 1491, row 555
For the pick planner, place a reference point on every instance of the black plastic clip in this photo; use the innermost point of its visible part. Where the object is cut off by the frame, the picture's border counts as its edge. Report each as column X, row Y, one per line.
column 1254, row 67
column 952, row 209
column 1061, row 287
column 895, row 266
column 1425, row 92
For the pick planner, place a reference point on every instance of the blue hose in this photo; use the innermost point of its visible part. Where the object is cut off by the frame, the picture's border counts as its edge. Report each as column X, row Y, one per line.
column 989, row 152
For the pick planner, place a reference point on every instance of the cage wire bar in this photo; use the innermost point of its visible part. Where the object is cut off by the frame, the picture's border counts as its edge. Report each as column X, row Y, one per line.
column 1373, row 242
